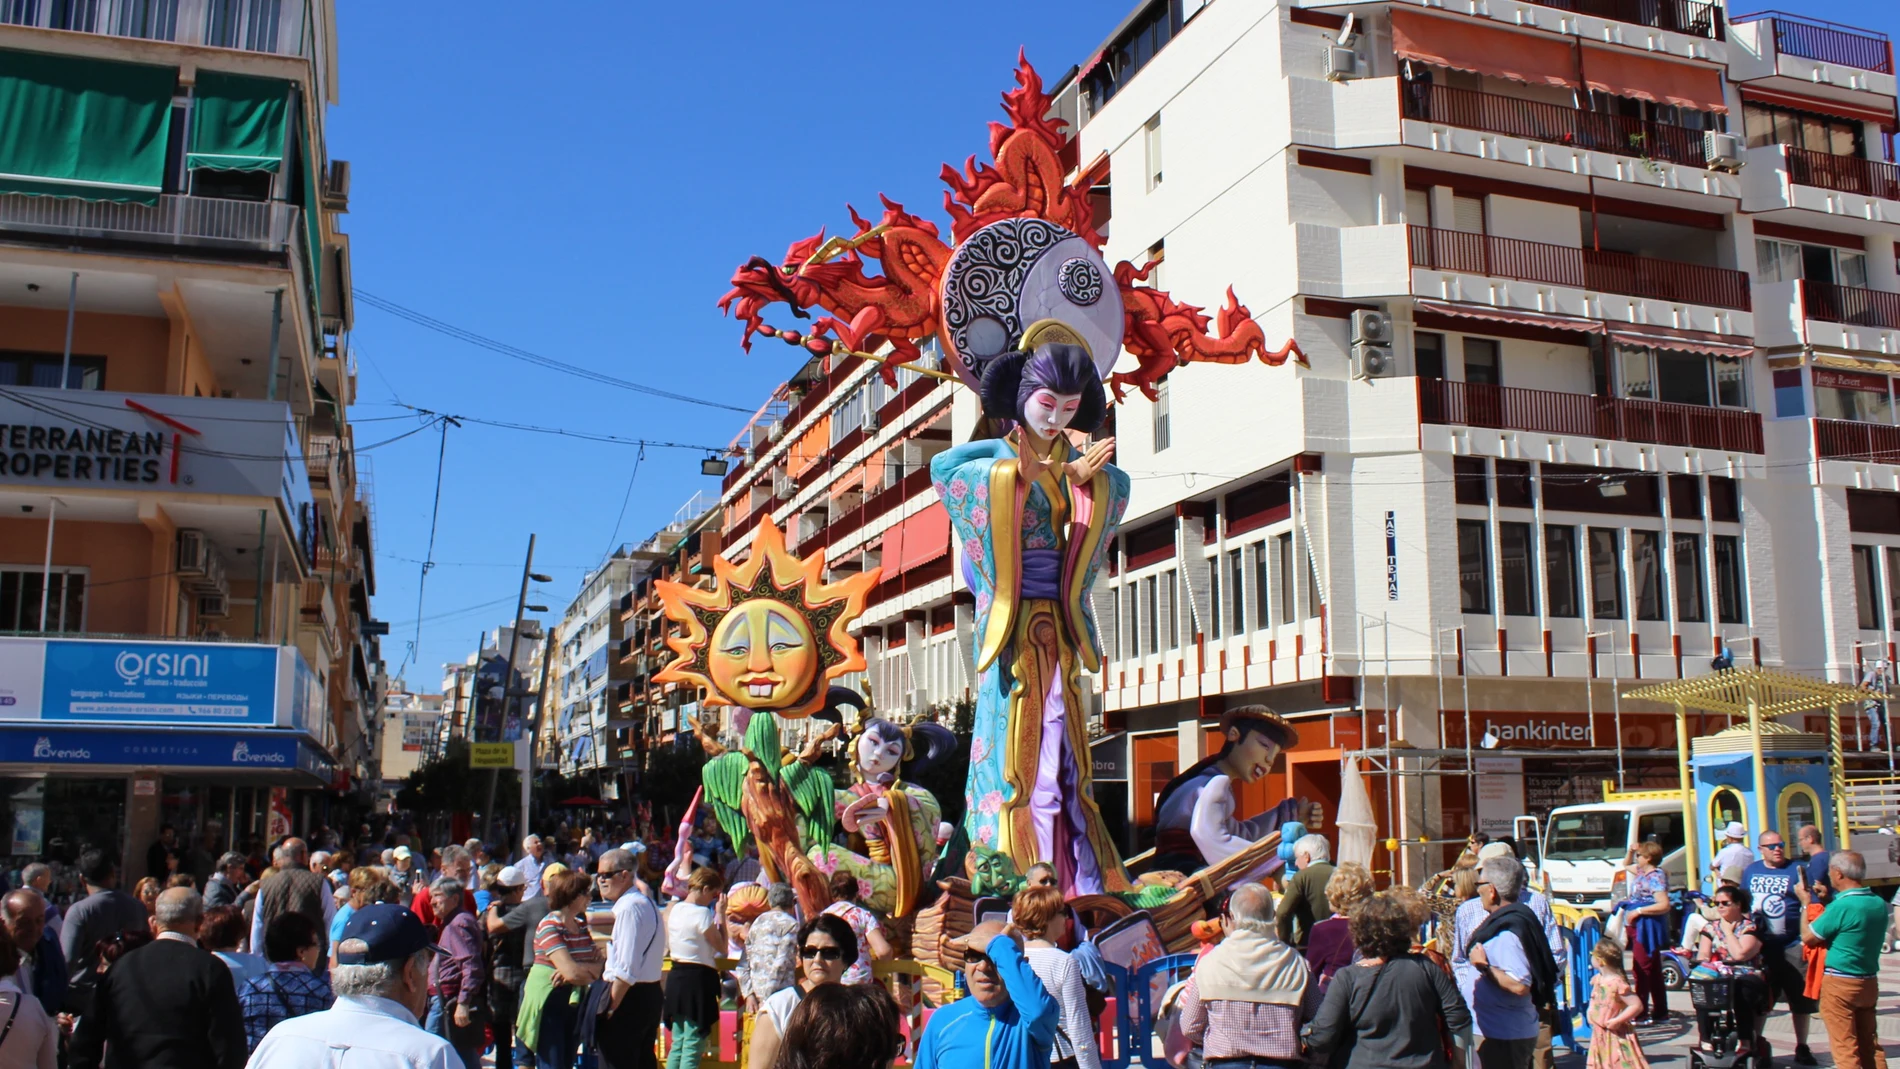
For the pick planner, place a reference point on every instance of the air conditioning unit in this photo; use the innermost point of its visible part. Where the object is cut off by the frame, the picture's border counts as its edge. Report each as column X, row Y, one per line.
column 1371, row 361
column 213, row 606
column 1341, row 64
column 1371, row 327
column 211, row 579
column 194, row 552
column 870, row 422
column 783, row 487
column 336, row 186
column 1721, row 150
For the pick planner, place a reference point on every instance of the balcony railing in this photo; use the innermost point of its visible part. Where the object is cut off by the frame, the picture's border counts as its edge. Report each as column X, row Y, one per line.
column 1681, row 16
column 1841, row 439
column 1552, row 124
column 1466, row 404
column 1833, row 303
column 275, row 26
column 1591, row 269
column 1829, row 42
column 174, row 218
column 1847, row 174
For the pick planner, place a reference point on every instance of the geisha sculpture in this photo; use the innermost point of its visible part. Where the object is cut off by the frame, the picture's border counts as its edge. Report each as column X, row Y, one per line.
column 1034, row 516
column 898, row 821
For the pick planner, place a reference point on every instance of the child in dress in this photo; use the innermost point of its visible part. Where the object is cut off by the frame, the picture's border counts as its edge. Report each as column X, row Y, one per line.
column 1614, row 1008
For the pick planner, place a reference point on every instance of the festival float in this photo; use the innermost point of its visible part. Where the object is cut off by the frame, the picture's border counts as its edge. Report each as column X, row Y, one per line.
column 1031, row 318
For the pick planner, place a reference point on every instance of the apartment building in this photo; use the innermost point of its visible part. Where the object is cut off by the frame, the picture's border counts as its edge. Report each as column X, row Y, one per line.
column 841, row 461
column 185, row 536
column 411, row 735
column 1600, row 310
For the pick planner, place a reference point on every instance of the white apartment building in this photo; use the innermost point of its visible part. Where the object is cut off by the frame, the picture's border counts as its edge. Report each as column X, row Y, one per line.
column 1634, row 405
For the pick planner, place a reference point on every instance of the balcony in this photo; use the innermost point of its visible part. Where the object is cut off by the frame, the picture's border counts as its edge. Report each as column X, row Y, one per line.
column 274, row 26
column 1827, row 42
column 1844, row 174
column 1833, row 303
column 173, row 219
column 1589, row 269
column 1677, row 16
column 1842, row 439
column 1551, row 123
column 1464, row 404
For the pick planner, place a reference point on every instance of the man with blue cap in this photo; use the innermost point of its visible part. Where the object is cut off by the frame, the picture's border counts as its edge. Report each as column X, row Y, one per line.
column 381, row 981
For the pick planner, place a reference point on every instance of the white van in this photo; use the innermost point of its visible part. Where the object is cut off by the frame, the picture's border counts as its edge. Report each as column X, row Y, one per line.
column 1586, row 847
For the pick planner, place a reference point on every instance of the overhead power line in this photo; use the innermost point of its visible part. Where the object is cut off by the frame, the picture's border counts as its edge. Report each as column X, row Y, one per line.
column 513, row 352
column 590, row 436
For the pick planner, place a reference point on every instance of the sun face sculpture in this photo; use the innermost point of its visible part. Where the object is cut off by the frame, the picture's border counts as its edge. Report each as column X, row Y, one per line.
column 770, row 634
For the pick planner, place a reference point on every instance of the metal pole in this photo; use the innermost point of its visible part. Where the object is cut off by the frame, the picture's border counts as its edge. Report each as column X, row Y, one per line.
column 257, row 605
column 508, row 678
column 46, row 569
column 276, row 328
column 534, row 731
column 1688, row 797
column 66, row 361
column 1761, row 765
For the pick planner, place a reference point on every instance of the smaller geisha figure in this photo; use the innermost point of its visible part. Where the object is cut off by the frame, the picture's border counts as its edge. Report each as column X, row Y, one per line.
column 893, row 822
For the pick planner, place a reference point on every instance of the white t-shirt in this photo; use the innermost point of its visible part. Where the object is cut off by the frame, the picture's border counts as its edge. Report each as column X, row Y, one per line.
column 779, row 1007
column 686, row 928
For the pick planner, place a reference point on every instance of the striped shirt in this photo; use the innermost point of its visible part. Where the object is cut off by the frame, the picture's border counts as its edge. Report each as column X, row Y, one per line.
column 1224, row 1028
column 1075, row 1032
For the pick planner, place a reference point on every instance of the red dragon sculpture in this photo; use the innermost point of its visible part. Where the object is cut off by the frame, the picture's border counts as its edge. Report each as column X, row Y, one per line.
column 900, row 304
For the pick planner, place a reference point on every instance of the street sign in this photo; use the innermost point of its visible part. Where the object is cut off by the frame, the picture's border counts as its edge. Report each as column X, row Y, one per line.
column 491, row 755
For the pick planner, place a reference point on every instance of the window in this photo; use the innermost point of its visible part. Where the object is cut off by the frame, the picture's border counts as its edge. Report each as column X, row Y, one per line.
column 1606, row 574
column 1560, row 571
column 1690, row 604
column 1790, row 397
column 1474, row 567
column 1418, row 207
column 1428, row 355
column 1777, row 261
column 1213, row 597
column 1893, row 585
column 1161, row 435
column 1149, row 33
column 1682, row 378
column 1151, row 139
column 1236, row 591
column 1283, row 551
column 1467, row 214
column 1171, row 589
column 1731, row 382
column 1867, row 587
column 42, row 370
column 1132, row 646
column 1639, row 379
column 1119, row 650
column 1646, row 574
column 20, row 597
column 1518, row 555
column 1765, row 124
column 1728, row 579
column 1154, row 617
column 1259, row 552
column 1481, row 361
column 1471, row 483
column 1851, row 395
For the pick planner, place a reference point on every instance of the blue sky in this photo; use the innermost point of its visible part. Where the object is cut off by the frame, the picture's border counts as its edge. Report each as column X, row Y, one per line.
column 581, row 186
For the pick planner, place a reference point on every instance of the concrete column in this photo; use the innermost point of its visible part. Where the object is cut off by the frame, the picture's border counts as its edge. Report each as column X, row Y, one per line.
column 141, row 825
column 1419, row 800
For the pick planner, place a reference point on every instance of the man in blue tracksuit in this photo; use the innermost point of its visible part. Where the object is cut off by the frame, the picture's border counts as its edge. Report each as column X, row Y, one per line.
column 1009, row 1020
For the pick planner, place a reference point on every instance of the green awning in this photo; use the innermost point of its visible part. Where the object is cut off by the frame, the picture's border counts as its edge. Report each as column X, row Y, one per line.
column 237, row 122
column 92, row 128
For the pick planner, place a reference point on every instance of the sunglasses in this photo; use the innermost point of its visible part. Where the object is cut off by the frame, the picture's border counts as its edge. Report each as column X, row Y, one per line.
column 810, row 953
column 1773, row 846
column 1725, row 901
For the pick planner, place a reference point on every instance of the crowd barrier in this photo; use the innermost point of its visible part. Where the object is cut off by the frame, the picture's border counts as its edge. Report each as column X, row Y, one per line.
column 1125, row 1032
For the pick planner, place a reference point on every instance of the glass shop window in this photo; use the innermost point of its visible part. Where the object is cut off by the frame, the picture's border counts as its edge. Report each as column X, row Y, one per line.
column 1474, row 567
column 1560, row 571
column 1867, row 587
column 1852, row 395
column 1606, row 574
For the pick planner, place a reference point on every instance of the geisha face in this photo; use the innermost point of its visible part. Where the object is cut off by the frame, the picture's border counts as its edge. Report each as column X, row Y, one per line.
column 878, row 755
column 1046, row 412
column 763, row 656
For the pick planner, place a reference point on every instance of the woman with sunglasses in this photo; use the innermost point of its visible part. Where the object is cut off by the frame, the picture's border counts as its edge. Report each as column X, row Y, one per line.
column 826, row 947
column 1732, row 939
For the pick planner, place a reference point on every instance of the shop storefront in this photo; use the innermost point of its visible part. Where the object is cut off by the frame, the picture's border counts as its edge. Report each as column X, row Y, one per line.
column 102, row 742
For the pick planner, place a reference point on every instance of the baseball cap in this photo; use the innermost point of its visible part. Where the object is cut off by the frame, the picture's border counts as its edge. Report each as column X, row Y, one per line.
column 509, row 876
column 403, row 851
column 387, row 932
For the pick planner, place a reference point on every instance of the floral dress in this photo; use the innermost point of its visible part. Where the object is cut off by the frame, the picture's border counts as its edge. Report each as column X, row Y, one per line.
column 1612, row 1047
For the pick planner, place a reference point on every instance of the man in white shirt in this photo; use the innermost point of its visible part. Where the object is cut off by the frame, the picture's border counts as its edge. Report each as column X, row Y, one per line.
column 1735, row 854
column 533, row 860
column 381, row 981
column 628, row 1026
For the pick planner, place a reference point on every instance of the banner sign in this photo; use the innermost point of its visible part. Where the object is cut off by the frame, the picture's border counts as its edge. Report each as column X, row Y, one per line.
column 418, row 730
column 257, row 750
column 180, row 683
column 491, row 755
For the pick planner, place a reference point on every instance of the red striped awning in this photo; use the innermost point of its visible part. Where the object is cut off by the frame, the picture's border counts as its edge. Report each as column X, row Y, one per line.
column 1489, row 314
column 1683, row 341
column 1820, row 105
column 919, row 539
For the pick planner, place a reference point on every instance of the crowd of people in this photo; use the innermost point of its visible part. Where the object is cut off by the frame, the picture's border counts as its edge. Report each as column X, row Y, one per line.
column 551, row 958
